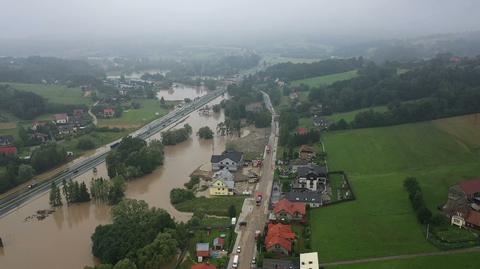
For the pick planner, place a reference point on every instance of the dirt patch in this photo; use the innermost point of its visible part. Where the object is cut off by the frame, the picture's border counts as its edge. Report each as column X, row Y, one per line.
column 252, row 144
column 8, row 125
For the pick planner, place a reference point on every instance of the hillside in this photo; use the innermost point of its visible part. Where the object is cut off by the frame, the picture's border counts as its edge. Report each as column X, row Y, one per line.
column 381, row 221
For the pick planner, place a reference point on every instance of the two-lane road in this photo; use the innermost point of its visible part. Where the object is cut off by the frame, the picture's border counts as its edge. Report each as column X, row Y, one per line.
column 257, row 216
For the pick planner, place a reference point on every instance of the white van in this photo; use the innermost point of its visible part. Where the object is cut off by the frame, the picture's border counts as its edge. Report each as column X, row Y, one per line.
column 235, row 261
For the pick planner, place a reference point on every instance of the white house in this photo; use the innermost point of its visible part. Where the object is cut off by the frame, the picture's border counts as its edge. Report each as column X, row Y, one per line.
column 61, row 118
column 309, row 260
column 310, row 177
column 229, row 159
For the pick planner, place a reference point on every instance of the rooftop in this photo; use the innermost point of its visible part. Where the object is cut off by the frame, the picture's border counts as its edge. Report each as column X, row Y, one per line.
column 311, row 169
column 233, row 155
column 290, row 207
column 280, row 234
column 474, row 218
column 62, row 116
column 203, row 266
column 471, row 186
column 304, row 196
column 280, row 264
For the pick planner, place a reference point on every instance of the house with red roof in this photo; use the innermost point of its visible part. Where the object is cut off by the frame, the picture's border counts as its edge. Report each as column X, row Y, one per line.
column 286, row 210
column 203, row 266
column 302, row 131
column 61, row 118
column 108, row 112
column 8, row 150
column 470, row 188
column 279, row 239
column 473, row 219
column 203, row 251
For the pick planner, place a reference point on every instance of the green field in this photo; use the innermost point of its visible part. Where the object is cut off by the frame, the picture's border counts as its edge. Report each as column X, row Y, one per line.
column 137, row 117
column 100, row 139
column 350, row 116
column 325, row 80
column 54, row 93
column 381, row 221
column 459, row 260
column 212, row 206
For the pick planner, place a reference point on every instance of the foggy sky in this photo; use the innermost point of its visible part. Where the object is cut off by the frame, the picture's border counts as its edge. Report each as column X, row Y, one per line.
column 77, row 19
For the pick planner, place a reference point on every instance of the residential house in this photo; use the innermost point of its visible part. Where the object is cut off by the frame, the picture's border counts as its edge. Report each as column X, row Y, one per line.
column 311, row 177
column 222, row 187
column 295, row 164
column 229, row 159
column 203, row 251
column 67, row 129
column 286, row 210
column 61, row 118
column 78, row 112
column 203, row 266
column 6, row 140
column 37, row 125
column 313, row 199
column 461, row 197
column 473, row 220
column 309, row 260
column 8, row 150
column 219, row 243
column 306, row 152
column 37, row 136
column 302, row 131
column 320, row 122
column 108, row 112
column 279, row 239
column 223, row 174
column 280, row 264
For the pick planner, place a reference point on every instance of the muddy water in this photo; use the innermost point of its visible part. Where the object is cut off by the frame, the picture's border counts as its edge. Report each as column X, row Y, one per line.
column 180, row 92
column 62, row 240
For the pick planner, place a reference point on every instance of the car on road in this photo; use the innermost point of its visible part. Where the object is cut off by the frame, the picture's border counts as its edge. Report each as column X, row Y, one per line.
column 242, row 223
column 235, row 261
column 239, row 249
column 254, row 261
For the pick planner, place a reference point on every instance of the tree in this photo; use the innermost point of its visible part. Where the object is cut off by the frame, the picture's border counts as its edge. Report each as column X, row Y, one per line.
column 162, row 101
column 55, row 196
column 25, row 172
column 85, row 143
column 159, row 252
column 178, row 195
column 205, row 132
column 232, row 211
column 48, row 156
column 84, row 196
column 125, row 264
column 117, row 190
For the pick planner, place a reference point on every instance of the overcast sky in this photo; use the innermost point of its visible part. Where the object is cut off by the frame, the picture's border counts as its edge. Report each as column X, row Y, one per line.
column 72, row 19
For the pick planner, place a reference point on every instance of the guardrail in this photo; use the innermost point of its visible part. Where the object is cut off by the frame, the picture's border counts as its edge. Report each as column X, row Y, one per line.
column 17, row 199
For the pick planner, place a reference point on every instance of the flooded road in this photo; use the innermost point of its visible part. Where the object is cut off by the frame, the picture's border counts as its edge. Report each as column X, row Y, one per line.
column 180, row 92
column 62, row 240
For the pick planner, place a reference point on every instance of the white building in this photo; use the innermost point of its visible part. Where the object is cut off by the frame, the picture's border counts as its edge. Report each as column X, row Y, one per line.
column 229, row 159
column 309, row 260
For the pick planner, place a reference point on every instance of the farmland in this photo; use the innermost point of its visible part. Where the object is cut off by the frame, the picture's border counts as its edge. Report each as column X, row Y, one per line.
column 350, row 116
column 135, row 118
column 381, row 221
column 459, row 260
column 325, row 80
column 54, row 93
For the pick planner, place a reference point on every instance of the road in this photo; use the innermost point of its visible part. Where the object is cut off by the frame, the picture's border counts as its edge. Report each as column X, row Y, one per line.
column 257, row 216
column 21, row 197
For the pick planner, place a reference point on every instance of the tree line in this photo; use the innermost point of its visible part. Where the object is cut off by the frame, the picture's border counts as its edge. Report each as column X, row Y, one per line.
column 295, row 71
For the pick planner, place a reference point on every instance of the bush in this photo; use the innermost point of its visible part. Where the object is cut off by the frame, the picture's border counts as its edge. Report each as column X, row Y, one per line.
column 85, row 143
column 194, row 180
column 180, row 195
column 205, row 133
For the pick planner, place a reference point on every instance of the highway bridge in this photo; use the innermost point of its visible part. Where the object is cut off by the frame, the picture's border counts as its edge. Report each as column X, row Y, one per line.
column 17, row 199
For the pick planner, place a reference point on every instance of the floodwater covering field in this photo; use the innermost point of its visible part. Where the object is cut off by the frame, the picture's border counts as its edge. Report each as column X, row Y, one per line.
column 62, row 240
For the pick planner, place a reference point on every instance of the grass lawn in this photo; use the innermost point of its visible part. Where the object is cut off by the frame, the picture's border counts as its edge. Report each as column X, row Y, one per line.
column 350, row 116
column 54, row 93
column 100, row 139
column 458, row 260
column 325, row 80
column 306, row 122
column 381, row 222
column 212, row 206
column 137, row 117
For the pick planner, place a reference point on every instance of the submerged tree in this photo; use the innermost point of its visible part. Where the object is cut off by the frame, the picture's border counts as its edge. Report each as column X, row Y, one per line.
column 55, row 195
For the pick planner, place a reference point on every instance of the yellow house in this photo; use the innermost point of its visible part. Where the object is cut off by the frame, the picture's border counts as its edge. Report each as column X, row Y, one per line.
column 221, row 187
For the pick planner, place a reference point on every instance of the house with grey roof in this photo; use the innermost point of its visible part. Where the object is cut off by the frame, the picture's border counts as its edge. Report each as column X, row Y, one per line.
column 313, row 199
column 229, row 159
column 311, row 177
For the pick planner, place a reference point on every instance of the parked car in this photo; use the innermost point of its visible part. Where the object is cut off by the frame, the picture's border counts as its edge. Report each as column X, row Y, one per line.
column 238, row 249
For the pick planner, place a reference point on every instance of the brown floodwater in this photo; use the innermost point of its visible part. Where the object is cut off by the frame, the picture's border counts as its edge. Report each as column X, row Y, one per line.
column 62, row 240
column 180, row 92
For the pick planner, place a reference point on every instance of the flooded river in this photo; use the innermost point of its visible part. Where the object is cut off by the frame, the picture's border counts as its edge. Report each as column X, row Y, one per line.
column 62, row 240
column 180, row 92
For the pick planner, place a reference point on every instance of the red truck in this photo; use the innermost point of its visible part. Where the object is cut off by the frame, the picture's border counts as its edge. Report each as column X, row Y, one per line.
column 258, row 199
